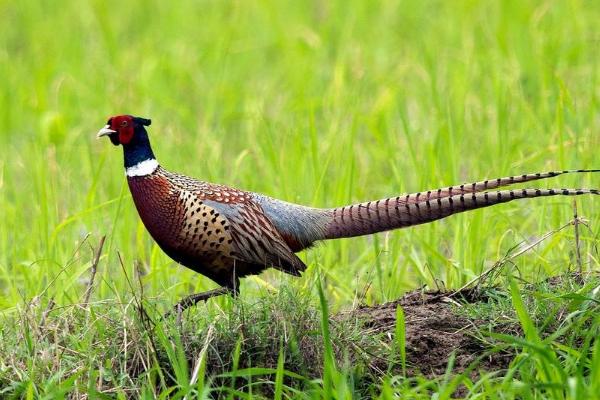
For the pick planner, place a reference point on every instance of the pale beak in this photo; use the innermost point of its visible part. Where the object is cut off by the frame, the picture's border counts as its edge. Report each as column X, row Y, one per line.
column 105, row 131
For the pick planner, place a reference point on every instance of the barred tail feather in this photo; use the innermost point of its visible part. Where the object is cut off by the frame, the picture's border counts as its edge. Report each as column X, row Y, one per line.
column 399, row 212
column 488, row 184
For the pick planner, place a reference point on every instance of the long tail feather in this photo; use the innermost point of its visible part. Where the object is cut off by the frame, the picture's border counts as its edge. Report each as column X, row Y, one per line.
column 487, row 184
column 399, row 212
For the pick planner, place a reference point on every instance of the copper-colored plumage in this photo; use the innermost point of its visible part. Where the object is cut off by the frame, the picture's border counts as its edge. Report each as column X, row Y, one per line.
column 180, row 214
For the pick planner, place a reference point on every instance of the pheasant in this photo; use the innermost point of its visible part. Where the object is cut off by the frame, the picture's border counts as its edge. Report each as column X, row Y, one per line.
column 226, row 233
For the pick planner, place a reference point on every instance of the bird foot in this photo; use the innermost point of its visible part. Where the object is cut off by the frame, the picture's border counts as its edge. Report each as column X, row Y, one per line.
column 195, row 298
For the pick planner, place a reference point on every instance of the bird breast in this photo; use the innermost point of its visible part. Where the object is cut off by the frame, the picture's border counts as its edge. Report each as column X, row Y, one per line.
column 186, row 228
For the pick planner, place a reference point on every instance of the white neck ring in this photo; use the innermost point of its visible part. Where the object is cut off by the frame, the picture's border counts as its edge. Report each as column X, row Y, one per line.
column 142, row 168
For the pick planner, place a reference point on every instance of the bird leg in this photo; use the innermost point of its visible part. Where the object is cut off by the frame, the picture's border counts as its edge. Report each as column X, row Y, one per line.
column 195, row 298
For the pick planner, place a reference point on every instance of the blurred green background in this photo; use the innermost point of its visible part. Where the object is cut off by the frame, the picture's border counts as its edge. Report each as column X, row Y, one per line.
column 319, row 102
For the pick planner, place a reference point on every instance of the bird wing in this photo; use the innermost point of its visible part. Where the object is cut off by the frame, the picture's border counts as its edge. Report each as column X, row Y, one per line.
column 255, row 238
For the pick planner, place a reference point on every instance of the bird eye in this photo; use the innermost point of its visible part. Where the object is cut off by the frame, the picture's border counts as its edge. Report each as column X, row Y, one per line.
column 123, row 124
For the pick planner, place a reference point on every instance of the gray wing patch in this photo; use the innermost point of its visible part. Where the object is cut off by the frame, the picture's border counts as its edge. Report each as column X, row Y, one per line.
column 305, row 224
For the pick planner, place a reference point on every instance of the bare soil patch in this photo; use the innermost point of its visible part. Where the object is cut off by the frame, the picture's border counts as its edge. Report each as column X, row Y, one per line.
column 435, row 331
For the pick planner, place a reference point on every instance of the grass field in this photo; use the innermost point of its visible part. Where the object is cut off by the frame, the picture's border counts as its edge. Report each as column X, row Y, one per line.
column 323, row 103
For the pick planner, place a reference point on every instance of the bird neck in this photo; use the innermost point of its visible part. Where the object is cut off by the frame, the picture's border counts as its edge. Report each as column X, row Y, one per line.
column 139, row 158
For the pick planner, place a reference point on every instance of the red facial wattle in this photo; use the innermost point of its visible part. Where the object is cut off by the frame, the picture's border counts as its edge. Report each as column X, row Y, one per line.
column 125, row 134
column 123, row 124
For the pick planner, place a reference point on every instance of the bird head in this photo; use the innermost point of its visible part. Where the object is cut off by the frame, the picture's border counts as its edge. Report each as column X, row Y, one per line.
column 125, row 129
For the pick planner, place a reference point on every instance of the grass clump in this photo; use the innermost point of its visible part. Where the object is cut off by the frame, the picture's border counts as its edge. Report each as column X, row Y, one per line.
column 454, row 343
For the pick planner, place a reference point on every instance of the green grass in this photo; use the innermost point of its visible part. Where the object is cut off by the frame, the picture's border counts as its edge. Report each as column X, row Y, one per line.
column 320, row 103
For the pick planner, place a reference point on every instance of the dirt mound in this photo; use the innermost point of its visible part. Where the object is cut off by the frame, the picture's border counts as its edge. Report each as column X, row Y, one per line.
column 363, row 339
column 434, row 331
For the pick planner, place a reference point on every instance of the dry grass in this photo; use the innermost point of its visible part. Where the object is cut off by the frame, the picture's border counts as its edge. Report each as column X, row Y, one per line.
column 238, row 347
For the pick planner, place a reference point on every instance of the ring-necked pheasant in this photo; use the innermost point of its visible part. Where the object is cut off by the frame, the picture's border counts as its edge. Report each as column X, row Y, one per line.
column 225, row 233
